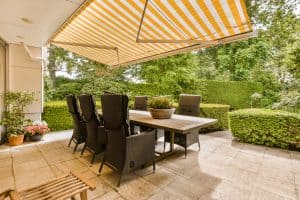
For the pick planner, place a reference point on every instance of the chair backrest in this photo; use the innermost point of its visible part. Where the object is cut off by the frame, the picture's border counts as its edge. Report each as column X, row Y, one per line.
column 140, row 103
column 79, row 126
column 91, row 119
column 116, row 124
column 115, row 112
column 189, row 104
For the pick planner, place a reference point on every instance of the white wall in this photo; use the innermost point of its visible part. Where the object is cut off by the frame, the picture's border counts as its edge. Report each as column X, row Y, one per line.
column 25, row 74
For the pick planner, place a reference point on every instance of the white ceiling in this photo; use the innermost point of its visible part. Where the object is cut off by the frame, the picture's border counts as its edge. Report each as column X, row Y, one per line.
column 45, row 17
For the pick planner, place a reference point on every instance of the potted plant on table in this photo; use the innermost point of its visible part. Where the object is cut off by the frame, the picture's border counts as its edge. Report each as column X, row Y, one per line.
column 13, row 118
column 36, row 130
column 161, row 108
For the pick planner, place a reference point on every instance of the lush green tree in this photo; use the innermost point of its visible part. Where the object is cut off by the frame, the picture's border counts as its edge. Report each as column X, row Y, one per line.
column 177, row 72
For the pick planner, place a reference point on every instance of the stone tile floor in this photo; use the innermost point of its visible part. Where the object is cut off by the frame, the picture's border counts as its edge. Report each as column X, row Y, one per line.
column 222, row 169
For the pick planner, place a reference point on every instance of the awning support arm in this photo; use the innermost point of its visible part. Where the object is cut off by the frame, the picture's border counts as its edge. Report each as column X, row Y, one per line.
column 213, row 42
column 141, row 22
column 85, row 45
column 90, row 46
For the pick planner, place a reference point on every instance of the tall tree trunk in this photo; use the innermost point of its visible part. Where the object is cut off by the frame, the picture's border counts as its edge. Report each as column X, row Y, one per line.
column 52, row 73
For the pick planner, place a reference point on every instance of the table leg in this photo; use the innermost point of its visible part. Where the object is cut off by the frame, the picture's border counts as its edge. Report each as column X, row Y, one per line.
column 171, row 141
column 168, row 153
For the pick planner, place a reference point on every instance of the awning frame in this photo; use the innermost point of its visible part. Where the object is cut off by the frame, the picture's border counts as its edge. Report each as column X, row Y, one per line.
column 91, row 46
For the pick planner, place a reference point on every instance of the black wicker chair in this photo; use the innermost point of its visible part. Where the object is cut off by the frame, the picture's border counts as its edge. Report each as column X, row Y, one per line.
column 124, row 152
column 188, row 105
column 140, row 103
column 96, row 137
column 79, row 127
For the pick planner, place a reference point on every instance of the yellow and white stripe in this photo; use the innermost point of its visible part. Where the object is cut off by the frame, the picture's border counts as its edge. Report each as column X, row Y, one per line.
column 168, row 27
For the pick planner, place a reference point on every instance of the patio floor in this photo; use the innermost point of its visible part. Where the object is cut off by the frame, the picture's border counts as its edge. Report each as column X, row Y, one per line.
column 221, row 170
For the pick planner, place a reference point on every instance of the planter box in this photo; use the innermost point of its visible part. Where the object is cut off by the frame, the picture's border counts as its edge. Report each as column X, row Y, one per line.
column 161, row 113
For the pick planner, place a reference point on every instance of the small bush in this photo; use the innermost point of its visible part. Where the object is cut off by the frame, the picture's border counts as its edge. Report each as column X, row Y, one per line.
column 216, row 111
column 160, row 103
column 266, row 127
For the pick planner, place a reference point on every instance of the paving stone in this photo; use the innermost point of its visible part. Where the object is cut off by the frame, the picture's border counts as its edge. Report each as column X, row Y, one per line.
column 222, row 169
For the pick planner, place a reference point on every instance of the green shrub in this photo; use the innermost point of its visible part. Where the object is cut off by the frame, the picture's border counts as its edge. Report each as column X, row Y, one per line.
column 267, row 127
column 237, row 94
column 67, row 88
column 160, row 103
column 143, row 89
column 57, row 116
column 216, row 111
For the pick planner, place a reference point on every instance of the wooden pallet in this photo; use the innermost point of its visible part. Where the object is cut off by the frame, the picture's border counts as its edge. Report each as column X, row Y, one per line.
column 61, row 188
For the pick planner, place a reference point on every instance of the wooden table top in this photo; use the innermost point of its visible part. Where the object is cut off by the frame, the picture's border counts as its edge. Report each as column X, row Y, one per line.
column 178, row 123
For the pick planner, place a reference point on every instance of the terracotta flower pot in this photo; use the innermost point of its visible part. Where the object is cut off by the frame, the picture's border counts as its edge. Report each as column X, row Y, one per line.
column 161, row 113
column 36, row 137
column 15, row 140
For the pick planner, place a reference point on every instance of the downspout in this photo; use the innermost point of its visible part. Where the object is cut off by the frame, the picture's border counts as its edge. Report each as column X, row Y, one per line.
column 5, row 82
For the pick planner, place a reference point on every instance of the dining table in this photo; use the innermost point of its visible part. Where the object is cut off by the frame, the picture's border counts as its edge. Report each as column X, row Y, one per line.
column 181, row 124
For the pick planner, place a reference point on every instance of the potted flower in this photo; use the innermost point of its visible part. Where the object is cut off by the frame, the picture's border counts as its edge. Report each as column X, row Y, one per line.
column 161, row 108
column 37, row 130
column 13, row 118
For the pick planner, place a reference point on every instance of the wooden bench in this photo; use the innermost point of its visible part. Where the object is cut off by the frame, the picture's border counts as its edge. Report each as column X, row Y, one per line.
column 61, row 188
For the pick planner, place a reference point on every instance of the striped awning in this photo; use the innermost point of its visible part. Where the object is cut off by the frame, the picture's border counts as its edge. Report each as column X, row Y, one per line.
column 123, row 32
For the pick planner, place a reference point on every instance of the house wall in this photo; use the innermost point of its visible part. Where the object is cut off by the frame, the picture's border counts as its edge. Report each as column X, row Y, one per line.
column 25, row 74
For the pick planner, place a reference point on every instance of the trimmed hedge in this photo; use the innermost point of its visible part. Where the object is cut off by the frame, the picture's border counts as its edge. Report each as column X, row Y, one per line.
column 144, row 89
column 57, row 116
column 272, row 128
column 237, row 94
column 216, row 111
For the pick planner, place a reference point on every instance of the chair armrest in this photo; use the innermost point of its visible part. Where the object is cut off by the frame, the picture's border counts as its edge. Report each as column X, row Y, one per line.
column 146, row 138
column 140, row 150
